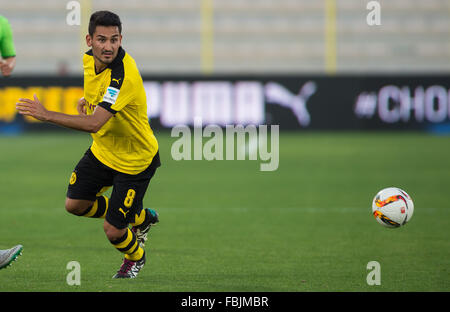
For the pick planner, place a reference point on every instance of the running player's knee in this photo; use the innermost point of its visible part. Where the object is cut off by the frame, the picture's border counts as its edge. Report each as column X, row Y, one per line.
column 112, row 232
column 70, row 207
column 74, row 207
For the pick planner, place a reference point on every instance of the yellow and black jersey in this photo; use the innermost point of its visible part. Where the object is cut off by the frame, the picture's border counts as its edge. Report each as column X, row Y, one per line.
column 126, row 143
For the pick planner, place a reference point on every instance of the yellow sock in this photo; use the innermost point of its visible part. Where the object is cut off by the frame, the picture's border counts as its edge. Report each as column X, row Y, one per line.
column 139, row 218
column 98, row 209
column 128, row 245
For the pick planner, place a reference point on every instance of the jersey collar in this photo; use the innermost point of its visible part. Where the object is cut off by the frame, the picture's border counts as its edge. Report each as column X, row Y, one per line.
column 115, row 62
column 118, row 59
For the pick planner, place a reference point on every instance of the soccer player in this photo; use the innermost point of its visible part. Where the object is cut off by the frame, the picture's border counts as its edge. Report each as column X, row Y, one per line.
column 124, row 153
column 7, row 256
column 7, row 63
column 7, row 49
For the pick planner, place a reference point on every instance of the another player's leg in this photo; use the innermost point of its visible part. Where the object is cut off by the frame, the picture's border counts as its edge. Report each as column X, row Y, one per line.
column 8, row 256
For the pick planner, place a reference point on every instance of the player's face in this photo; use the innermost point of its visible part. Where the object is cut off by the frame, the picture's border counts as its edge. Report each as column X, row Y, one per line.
column 105, row 43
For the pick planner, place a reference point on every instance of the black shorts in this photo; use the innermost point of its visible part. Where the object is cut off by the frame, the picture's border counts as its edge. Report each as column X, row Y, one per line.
column 90, row 177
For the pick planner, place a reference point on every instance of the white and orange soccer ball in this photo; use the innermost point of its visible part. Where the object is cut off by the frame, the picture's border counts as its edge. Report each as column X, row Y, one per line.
column 392, row 207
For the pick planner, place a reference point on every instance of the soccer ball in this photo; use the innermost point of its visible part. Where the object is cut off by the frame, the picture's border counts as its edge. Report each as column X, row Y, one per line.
column 392, row 207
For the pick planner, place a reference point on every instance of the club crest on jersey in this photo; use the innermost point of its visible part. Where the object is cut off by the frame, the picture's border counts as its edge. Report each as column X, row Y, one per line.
column 73, row 178
column 111, row 95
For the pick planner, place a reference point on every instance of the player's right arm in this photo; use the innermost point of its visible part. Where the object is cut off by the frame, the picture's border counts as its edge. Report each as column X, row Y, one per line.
column 81, row 106
column 7, row 65
column 88, row 123
column 7, row 49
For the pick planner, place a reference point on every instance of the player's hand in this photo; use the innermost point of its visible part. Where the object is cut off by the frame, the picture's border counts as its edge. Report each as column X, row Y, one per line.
column 81, row 106
column 32, row 108
column 7, row 66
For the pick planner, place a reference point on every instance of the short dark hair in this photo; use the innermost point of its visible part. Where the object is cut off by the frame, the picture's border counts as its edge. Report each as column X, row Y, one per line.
column 104, row 18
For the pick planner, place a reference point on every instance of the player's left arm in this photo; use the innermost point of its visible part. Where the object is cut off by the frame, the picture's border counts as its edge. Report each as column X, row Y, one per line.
column 88, row 123
column 118, row 95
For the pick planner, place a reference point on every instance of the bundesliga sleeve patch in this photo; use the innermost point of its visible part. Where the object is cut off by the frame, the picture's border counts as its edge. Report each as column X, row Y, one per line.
column 111, row 95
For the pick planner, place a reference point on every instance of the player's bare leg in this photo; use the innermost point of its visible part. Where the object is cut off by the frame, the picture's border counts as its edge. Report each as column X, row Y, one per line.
column 78, row 207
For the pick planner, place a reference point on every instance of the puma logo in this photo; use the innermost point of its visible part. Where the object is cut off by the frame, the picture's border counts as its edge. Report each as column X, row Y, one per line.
column 116, row 80
column 277, row 93
column 123, row 212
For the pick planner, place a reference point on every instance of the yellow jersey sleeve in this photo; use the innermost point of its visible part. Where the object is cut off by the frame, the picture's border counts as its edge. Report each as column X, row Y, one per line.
column 119, row 91
column 125, row 96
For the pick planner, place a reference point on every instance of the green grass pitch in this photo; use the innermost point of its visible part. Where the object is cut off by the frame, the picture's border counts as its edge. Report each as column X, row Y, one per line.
column 226, row 226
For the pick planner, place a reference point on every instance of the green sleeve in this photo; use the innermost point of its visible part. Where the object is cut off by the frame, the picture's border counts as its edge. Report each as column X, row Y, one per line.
column 6, row 39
